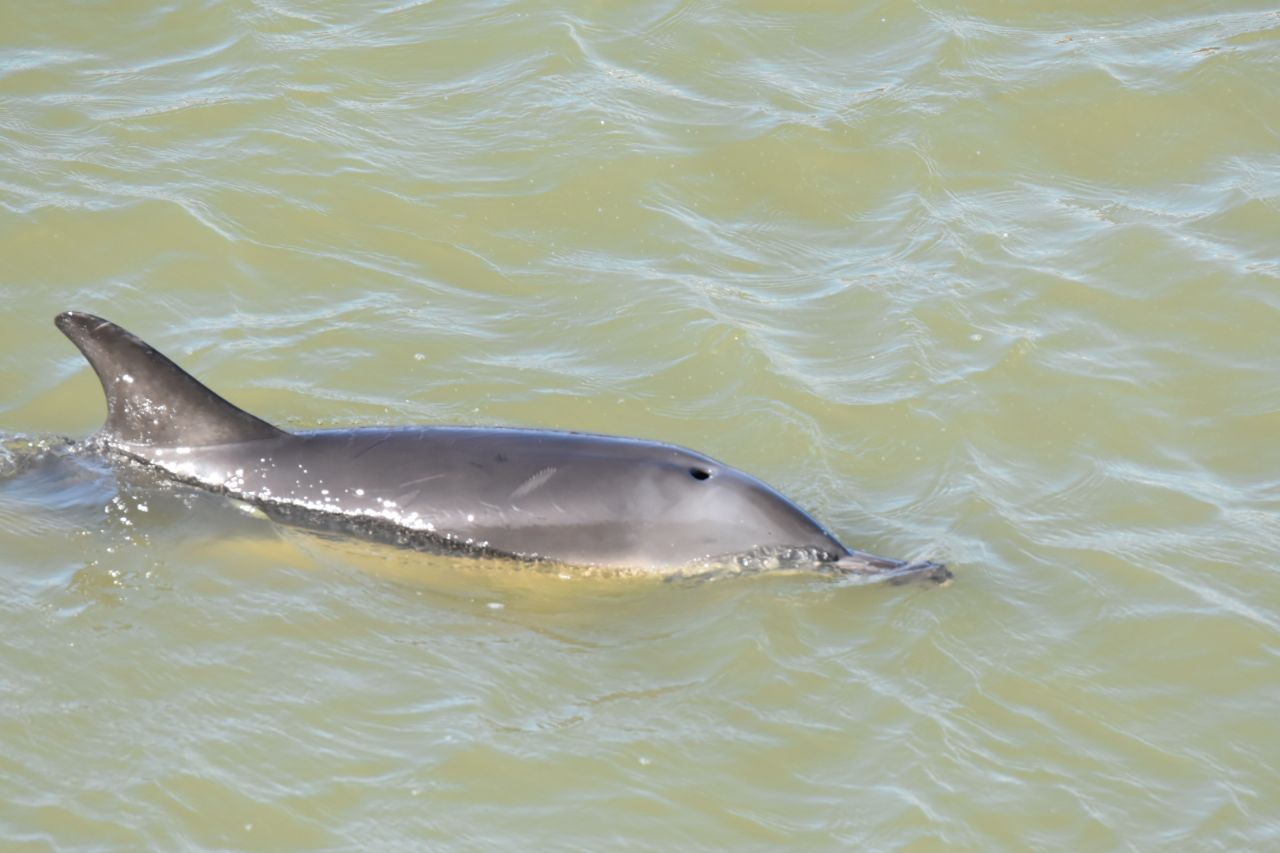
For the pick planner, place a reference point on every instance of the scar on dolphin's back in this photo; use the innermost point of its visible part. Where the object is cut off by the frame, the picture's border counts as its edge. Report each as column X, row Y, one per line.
column 538, row 479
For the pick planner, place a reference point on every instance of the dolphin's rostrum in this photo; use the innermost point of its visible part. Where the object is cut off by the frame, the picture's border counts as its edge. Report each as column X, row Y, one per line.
column 543, row 495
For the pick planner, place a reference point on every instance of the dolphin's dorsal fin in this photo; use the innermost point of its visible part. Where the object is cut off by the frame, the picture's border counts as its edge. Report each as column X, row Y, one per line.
column 150, row 400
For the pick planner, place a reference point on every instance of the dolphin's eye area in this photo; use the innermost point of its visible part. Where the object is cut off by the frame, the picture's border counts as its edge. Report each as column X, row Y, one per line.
column 699, row 473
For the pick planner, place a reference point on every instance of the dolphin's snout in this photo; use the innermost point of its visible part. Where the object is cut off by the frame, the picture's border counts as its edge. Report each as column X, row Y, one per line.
column 871, row 568
column 923, row 572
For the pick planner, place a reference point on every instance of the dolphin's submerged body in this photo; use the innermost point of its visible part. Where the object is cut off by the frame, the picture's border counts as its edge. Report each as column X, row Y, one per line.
column 534, row 495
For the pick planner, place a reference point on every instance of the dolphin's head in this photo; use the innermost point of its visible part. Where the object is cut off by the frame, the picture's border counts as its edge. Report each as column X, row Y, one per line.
column 697, row 509
column 700, row 511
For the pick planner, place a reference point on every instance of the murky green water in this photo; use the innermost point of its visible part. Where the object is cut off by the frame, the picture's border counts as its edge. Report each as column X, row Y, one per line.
column 995, row 284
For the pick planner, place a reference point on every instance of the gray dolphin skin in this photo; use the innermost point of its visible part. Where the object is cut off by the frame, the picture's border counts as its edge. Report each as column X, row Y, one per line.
column 534, row 495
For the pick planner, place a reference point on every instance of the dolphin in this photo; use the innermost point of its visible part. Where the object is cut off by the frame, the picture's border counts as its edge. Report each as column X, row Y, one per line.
column 534, row 495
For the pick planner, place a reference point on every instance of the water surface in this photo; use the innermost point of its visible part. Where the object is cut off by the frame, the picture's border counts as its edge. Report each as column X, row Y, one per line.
column 995, row 285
